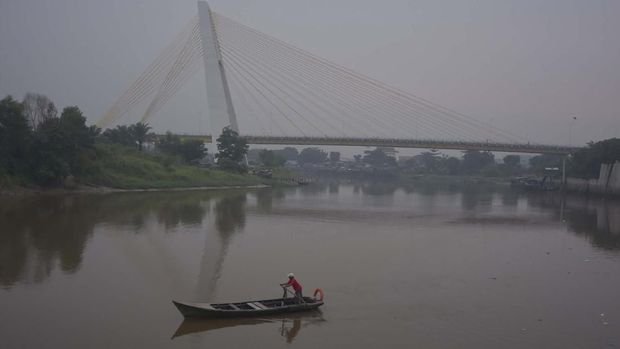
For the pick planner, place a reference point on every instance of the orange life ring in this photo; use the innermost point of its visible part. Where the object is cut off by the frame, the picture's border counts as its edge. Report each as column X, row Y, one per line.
column 320, row 292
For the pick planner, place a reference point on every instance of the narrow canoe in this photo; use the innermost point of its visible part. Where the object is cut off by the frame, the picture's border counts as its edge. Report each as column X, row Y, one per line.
column 243, row 309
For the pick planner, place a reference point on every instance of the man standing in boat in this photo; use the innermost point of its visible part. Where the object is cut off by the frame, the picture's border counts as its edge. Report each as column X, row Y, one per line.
column 295, row 285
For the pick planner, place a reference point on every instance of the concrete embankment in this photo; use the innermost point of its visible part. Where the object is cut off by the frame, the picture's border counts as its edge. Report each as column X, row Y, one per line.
column 607, row 183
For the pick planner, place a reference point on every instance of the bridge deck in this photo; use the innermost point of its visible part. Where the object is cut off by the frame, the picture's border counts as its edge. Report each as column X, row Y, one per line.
column 404, row 143
column 415, row 143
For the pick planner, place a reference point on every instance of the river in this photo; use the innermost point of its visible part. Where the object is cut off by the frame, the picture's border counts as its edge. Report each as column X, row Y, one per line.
column 401, row 266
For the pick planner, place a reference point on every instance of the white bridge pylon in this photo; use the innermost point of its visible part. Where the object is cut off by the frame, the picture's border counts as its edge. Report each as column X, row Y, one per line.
column 177, row 63
column 219, row 101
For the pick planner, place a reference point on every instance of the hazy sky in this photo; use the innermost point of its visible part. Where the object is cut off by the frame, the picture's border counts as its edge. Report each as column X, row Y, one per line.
column 527, row 66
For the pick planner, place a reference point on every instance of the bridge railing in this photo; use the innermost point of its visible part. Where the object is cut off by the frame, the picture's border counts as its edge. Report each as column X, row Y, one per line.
column 532, row 148
column 415, row 143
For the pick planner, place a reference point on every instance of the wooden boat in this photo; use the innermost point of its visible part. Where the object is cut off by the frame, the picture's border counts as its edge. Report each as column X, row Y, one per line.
column 244, row 309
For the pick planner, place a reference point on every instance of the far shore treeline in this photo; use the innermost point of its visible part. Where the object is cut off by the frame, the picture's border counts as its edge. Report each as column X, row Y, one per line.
column 585, row 163
column 41, row 148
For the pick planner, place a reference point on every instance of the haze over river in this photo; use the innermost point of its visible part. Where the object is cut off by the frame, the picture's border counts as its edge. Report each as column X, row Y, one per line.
column 416, row 267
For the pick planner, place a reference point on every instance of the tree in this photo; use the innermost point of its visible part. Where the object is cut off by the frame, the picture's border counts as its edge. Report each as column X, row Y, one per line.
column 474, row 161
column 58, row 144
column 73, row 125
column 586, row 162
column 288, row 153
column 192, row 150
column 378, row 158
column 511, row 165
column 270, row 159
column 540, row 162
column 133, row 135
column 38, row 108
column 512, row 161
column 120, row 135
column 139, row 132
column 452, row 165
column 51, row 153
column 429, row 161
column 57, row 148
column 231, row 150
column 170, row 143
column 15, row 136
column 189, row 150
column 312, row 156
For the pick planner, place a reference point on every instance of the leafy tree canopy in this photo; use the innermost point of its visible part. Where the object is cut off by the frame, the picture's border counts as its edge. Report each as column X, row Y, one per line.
column 288, row 153
column 312, row 156
column 231, row 150
column 133, row 135
column 512, row 161
column 15, row 136
column 587, row 161
column 540, row 162
column 378, row 158
column 139, row 132
column 37, row 109
column 189, row 150
column 474, row 161
column 269, row 158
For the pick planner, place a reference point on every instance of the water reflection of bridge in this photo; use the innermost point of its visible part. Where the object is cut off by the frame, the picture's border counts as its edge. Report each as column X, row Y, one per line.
column 31, row 248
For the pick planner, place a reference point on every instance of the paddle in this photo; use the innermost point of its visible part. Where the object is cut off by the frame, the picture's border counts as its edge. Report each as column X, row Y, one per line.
column 284, row 295
column 301, row 300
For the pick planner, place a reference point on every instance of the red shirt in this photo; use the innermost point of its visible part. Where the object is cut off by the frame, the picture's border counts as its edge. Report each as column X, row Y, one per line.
column 295, row 284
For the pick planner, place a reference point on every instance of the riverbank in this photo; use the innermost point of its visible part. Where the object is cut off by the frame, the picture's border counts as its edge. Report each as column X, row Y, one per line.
column 444, row 179
column 22, row 191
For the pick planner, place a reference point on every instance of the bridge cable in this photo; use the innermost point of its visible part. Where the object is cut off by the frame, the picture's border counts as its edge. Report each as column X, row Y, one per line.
column 314, row 74
column 460, row 118
column 280, row 64
column 268, row 75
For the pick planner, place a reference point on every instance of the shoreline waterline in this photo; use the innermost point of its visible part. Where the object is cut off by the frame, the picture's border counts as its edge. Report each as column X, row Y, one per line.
column 21, row 191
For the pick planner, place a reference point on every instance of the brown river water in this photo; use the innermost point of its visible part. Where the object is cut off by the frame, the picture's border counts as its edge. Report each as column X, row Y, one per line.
column 412, row 267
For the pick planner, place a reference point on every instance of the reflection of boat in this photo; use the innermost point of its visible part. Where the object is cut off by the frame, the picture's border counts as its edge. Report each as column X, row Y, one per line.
column 189, row 326
column 547, row 183
column 242, row 309
column 197, row 325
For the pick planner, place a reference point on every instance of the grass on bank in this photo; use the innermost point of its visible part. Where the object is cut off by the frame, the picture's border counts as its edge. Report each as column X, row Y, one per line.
column 116, row 166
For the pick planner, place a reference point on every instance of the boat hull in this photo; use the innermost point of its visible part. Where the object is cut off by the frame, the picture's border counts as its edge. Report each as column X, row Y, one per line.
column 245, row 309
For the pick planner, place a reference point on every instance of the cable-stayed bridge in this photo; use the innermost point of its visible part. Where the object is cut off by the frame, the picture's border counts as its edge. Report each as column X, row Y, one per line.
column 272, row 92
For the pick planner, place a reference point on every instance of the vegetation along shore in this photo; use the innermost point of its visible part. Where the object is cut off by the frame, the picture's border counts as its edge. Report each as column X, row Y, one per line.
column 43, row 151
